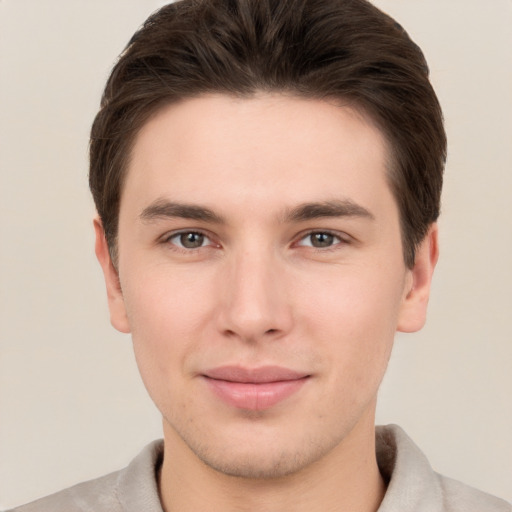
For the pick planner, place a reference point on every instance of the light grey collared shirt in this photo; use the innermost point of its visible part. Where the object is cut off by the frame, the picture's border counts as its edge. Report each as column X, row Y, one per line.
column 412, row 485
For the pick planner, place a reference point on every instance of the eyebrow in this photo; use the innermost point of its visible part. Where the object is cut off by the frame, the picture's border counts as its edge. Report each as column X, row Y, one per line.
column 163, row 209
column 334, row 208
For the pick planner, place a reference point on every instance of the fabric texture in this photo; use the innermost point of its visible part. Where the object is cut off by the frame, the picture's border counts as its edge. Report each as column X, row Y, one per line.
column 412, row 485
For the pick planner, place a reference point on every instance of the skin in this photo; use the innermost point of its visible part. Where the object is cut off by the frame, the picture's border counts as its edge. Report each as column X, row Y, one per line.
column 256, row 291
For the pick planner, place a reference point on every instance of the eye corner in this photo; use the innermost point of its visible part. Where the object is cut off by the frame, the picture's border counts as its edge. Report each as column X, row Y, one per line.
column 188, row 240
column 322, row 239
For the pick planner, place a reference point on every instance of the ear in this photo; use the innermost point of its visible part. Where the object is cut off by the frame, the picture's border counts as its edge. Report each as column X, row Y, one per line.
column 118, row 317
column 413, row 311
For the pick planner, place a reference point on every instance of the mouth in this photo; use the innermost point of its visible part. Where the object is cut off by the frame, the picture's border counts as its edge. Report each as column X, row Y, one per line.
column 254, row 389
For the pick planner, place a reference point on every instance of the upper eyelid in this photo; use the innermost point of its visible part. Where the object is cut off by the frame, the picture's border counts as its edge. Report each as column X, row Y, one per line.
column 165, row 239
column 342, row 235
column 170, row 234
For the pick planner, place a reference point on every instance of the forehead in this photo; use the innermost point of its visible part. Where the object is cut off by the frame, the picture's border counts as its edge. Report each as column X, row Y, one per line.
column 271, row 149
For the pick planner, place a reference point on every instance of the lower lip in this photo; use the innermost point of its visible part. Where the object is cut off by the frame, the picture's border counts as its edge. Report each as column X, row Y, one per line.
column 254, row 397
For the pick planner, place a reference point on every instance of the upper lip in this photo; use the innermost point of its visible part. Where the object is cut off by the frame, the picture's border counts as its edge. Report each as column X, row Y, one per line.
column 260, row 375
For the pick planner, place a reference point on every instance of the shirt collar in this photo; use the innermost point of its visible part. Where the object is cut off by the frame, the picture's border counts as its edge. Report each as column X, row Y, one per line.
column 412, row 484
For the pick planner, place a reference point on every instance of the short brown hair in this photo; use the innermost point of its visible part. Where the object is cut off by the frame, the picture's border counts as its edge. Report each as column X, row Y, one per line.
column 342, row 49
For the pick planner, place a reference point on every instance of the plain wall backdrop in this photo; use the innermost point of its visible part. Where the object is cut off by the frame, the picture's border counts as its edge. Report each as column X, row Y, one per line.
column 72, row 406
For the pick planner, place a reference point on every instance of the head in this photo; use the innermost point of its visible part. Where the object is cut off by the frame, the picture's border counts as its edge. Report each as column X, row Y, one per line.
column 267, row 176
column 343, row 51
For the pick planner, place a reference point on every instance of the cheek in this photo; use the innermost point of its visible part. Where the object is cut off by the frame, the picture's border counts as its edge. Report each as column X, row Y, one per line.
column 166, row 303
column 353, row 318
column 168, row 315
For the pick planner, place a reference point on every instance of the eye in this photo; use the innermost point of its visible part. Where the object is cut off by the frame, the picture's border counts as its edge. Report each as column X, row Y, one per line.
column 320, row 240
column 189, row 240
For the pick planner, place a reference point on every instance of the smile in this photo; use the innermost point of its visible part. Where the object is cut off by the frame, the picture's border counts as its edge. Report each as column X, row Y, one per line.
column 254, row 389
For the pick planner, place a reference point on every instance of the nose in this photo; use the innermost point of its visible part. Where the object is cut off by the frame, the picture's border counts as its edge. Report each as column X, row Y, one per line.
column 255, row 302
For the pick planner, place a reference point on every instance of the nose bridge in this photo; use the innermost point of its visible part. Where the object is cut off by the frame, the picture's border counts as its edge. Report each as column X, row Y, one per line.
column 255, row 299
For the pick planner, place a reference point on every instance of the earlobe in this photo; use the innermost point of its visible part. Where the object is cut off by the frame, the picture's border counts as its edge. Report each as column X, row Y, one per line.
column 413, row 311
column 116, row 305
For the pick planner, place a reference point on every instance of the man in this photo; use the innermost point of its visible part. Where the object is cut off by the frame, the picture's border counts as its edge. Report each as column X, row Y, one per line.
column 267, row 177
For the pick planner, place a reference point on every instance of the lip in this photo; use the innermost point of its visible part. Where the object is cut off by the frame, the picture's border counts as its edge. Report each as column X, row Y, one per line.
column 254, row 389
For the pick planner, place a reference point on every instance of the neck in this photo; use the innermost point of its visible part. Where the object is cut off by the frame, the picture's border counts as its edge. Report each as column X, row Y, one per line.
column 347, row 478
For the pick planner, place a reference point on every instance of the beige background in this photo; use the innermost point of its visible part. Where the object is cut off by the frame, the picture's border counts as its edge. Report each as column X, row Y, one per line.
column 71, row 404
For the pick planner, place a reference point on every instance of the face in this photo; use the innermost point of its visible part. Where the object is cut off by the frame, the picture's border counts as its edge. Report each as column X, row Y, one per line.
column 261, row 275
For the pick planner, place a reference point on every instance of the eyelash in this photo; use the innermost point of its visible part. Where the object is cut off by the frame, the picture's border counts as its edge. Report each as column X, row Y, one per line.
column 338, row 239
column 168, row 240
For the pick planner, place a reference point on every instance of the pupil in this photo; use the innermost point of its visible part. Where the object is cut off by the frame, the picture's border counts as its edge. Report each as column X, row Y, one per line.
column 192, row 240
column 322, row 239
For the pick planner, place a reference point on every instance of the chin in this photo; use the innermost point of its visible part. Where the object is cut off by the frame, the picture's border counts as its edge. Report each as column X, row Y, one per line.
column 255, row 464
column 263, row 444
column 260, row 453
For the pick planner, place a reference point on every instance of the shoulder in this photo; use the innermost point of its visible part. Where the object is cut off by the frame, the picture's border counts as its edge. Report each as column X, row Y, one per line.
column 458, row 497
column 413, row 486
column 134, row 488
column 99, row 494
